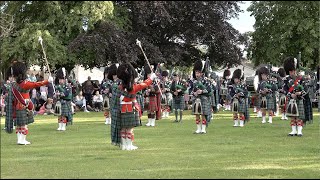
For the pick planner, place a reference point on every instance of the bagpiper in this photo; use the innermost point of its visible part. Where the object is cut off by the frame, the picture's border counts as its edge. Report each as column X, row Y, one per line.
column 177, row 89
column 152, row 97
column 63, row 96
column 224, row 94
column 19, row 106
column 295, row 91
column 106, row 91
column 166, row 97
column 266, row 89
column 239, row 102
column 200, row 97
column 282, row 95
column 125, row 102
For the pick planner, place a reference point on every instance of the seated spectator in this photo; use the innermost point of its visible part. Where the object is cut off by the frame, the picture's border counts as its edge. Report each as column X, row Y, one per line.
column 80, row 102
column 2, row 104
column 47, row 107
column 97, row 101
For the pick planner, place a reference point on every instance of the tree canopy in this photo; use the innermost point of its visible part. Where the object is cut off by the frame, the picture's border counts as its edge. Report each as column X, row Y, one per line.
column 96, row 33
column 57, row 22
column 168, row 30
column 285, row 28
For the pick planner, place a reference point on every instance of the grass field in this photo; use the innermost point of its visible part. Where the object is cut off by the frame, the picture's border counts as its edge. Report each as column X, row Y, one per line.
column 169, row 150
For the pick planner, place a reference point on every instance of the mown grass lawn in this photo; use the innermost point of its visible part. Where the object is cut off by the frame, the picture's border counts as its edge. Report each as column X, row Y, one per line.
column 169, row 150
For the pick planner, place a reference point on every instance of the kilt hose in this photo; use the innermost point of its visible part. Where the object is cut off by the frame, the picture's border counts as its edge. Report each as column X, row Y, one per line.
column 178, row 103
column 205, row 104
column 24, row 117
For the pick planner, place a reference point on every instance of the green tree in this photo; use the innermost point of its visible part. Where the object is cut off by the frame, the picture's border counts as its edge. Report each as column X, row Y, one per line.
column 168, row 31
column 285, row 28
column 57, row 22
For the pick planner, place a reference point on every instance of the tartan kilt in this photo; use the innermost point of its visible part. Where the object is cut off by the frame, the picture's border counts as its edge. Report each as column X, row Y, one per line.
column 270, row 102
column 66, row 110
column 301, row 109
column 23, row 118
column 115, row 127
column 129, row 119
column 308, row 109
column 212, row 100
column 178, row 102
column 153, row 105
column 205, row 104
column 242, row 107
column 140, row 100
column 257, row 101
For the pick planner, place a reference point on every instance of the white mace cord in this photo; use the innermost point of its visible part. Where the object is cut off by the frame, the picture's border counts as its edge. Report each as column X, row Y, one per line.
column 139, row 44
column 45, row 58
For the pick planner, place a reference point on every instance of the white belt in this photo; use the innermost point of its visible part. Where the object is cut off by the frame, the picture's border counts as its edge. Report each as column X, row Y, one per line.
column 130, row 102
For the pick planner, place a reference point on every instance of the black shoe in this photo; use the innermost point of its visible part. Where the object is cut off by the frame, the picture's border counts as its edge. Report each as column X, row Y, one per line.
column 299, row 135
column 292, row 134
column 175, row 121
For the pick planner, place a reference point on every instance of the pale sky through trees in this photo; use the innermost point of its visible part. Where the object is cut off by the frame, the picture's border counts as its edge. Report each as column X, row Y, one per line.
column 245, row 22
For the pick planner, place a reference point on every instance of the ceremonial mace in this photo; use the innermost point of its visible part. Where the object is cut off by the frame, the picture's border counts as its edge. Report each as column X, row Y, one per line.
column 139, row 44
column 45, row 57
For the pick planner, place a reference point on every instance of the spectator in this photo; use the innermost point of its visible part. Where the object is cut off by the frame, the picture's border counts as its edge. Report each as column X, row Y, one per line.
column 47, row 107
column 88, row 90
column 2, row 104
column 97, row 101
column 80, row 102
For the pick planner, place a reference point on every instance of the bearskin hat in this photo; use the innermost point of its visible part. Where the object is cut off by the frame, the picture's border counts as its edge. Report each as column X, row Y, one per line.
column 226, row 73
column 106, row 70
column 112, row 70
column 237, row 74
column 19, row 71
column 290, row 64
column 165, row 73
column 60, row 75
column 281, row 72
column 263, row 70
column 127, row 74
column 198, row 66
